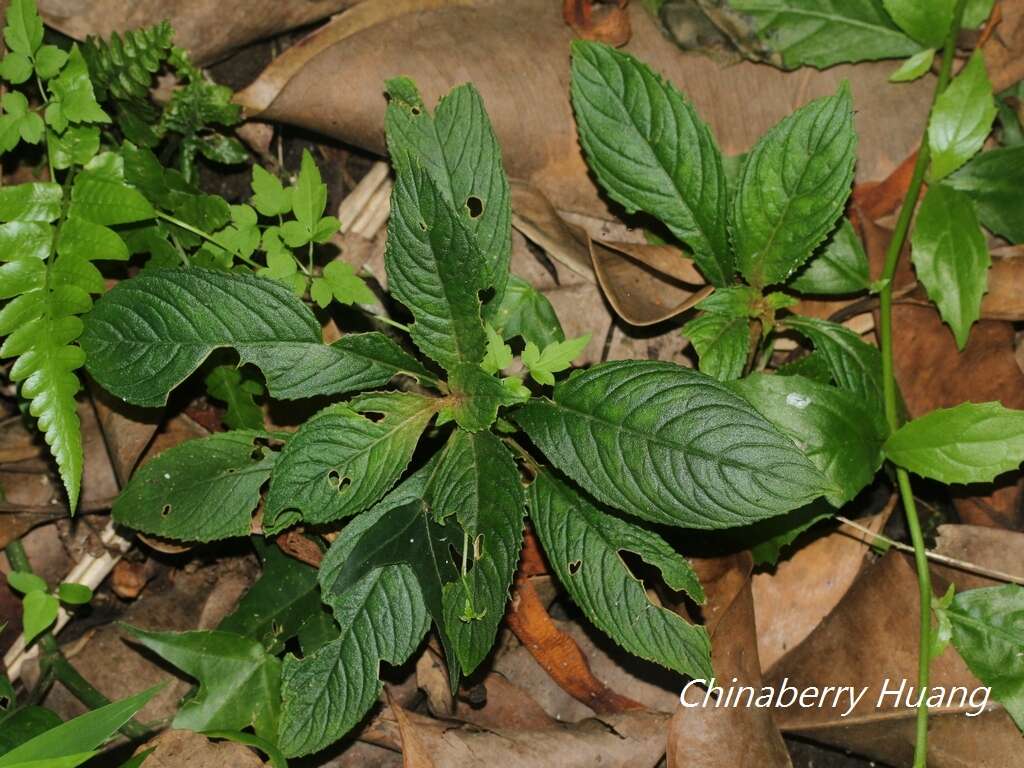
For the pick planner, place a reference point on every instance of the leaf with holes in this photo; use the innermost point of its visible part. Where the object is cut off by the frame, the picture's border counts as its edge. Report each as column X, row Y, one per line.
column 342, row 461
column 475, row 481
column 200, row 490
column 670, row 445
column 584, row 546
column 651, row 152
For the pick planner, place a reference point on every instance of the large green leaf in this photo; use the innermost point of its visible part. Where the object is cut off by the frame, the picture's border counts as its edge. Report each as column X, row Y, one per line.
column 476, row 480
column 671, row 445
column 239, row 682
column 37, row 201
column 951, row 257
column 147, row 334
column 651, row 152
column 840, row 268
column 927, row 22
column 969, row 443
column 436, row 270
column 994, row 180
column 200, row 490
column 821, row 33
column 833, row 428
column 382, row 617
column 988, row 631
column 80, row 735
column 584, row 546
column 792, row 188
column 340, row 462
column 961, row 119
column 457, row 148
column 24, row 723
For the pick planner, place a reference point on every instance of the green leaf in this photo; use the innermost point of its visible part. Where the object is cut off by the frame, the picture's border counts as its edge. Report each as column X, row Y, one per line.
column 25, row 239
column 340, row 461
column 555, row 357
column 773, row 536
column 25, row 582
column 961, row 119
column 436, row 270
column 670, row 445
column 199, row 490
column 651, row 152
column 840, row 268
column 76, row 146
column 457, row 148
column 239, row 682
column 82, row 734
column 65, row 761
column 584, row 546
column 309, row 199
column 72, row 90
column 382, row 616
column 346, row 285
column 102, row 196
column 994, row 180
column 39, row 611
column 988, row 633
column 927, row 22
column 36, row 201
column 970, row 443
column 914, row 67
column 23, row 723
column 476, row 481
column 18, row 123
column 226, row 150
column 833, row 428
column 147, row 334
column 792, row 188
column 74, row 594
column 238, row 388
column 722, row 342
column 476, row 397
column 268, row 194
column 15, row 68
column 499, row 354
column 49, row 61
column 976, row 12
column 81, row 239
column 527, row 313
column 284, row 598
column 821, row 33
column 24, row 30
column 951, row 258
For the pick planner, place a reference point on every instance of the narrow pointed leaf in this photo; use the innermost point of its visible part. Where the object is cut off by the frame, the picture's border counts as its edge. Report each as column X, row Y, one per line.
column 961, row 119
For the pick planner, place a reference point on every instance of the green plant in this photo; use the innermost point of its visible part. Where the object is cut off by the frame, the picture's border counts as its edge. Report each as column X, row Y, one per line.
column 40, row 606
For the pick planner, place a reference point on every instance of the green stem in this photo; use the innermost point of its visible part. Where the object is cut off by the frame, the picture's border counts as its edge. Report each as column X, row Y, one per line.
column 46, row 103
column 205, row 235
column 892, row 414
column 388, row 321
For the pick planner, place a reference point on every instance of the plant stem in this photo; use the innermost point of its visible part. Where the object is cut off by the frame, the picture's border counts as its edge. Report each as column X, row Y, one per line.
column 892, row 415
column 205, row 235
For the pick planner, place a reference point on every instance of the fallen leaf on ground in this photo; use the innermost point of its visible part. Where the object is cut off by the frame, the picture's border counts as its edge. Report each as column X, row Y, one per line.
column 173, row 749
column 605, row 23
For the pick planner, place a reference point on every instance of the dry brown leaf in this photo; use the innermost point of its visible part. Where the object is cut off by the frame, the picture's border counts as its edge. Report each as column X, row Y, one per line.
column 1004, row 48
column 207, row 29
column 414, row 751
column 296, row 544
column 127, row 429
column 521, row 69
column 733, row 737
column 173, row 749
column 605, row 23
column 871, row 636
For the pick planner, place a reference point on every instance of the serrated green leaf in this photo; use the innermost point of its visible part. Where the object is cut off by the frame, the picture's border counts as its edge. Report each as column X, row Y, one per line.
column 239, row 682
column 961, row 119
column 584, row 546
column 555, row 357
column 670, row 445
column 74, row 594
column 840, row 268
column 200, row 490
column 35, row 201
column 792, row 188
column 25, row 582
column 969, row 443
column 76, row 146
column 72, row 89
column 651, row 152
column 308, row 199
column 382, row 616
column 476, row 397
column 821, row 33
column 527, row 313
column 340, row 462
column 436, row 270
column 926, row 22
column 268, row 194
column 24, row 29
column 237, row 388
column 147, row 334
column 914, row 67
column 82, row 734
column 39, row 611
column 813, row 366
column 346, row 286
column 833, row 428
column 499, row 354
column 457, row 148
column 994, row 181
column 475, row 480
column 722, row 342
column 951, row 257
column 988, row 633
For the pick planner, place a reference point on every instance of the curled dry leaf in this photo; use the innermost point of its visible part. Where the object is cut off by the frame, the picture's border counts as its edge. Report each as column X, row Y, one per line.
column 177, row 748
column 605, row 23
column 207, row 29
column 414, row 751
